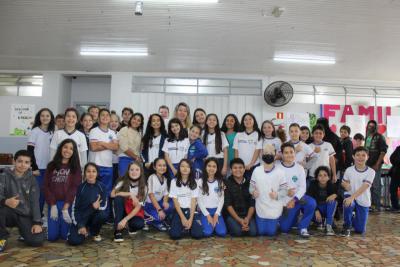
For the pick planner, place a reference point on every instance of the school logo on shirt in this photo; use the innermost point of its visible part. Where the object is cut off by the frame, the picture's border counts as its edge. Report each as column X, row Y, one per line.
column 110, row 137
column 295, row 178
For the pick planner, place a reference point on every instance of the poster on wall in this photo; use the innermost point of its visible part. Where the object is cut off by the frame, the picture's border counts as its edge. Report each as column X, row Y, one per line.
column 358, row 123
column 393, row 126
column 21, row 120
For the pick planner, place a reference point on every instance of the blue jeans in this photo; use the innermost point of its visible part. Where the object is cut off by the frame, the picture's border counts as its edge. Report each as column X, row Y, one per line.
column 123, row 163
column 151, row 211
column 376, row 190
column 359, row 221
column 327, row 211
column 235, row 229
column 177, row 230
column 57, row 229
column 267, row 227
column 40, row 181
column 208, row 230
column 135, row 223
column 307, row 205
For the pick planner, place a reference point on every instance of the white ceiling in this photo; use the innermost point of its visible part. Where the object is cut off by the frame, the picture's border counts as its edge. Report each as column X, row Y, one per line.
column 233, row 36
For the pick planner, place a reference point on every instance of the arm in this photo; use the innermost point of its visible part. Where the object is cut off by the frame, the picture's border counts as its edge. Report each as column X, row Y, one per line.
column 169, row 162
column 48, row 194
column 200, row 202
column 220, row 204
column 31, row 150
column 301, row 189
column 133, row 212
column 76, row 180
column 356, row 194
column 348, row 150
column 83, row 158
column 34, row 202
column 178, row 209
column 332, row 164
column 192, row 209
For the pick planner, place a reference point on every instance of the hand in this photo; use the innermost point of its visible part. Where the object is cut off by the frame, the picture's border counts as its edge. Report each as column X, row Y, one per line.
column 224, row 171
column 291, row 204
column 190, row 222
column 318, row 216
column 165, row 205
column 36, row 229
column 185, row 223
column 54, row 213
column 317, row 149
column 246, row 221
column 36, row 173
column 273, row 195
column 135, row 200
column 147, row 165
column 138, row 159
column 346, row 185
column 348, row 201
column 248, row 167
column 66, row 217
column 12, row 202
column 331, row 198
column 83, row 231
column 291, row 192
column 256, row 193
column 334, row 178
column 121, row 225
column 174, row 171
column 210, row 220
column 215, row 219
column 298, row 148
column 161, row 215
column 96, row 204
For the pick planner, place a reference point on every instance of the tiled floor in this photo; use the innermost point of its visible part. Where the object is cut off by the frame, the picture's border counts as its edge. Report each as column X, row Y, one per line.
column 380, row 247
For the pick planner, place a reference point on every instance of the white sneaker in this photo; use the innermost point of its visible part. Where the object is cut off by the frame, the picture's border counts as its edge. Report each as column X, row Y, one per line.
column 146, row 227
column 97, row 238
column 304, row 233
column 44, row 222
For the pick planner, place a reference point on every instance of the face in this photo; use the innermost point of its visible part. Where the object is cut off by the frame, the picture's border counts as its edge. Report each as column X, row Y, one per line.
column 294, row 133
column 104, row 118
column 60, row 123
column 126, row 115
column 344, row 134
column 288, row 154
column 70, row 119
column 212, row 122
column 182, row 113
column 268, row 129
column 238, row 170
column 200, row 117
column 114, row 122
column 161, row 167
column 211, row 168
column 248, row 122
column 136, row 121
column 45, row 117
column 91, row 174
column 184, row 168
column 318, row 135
column 194, row 133
column 323, row 177
column 175, row 128
column 371, row 127
column 87, row 123
column 358, row 142
column 304, row 135
column 360, row 158
column 134, row 172
column 230, row 122
column 95, row 113
column 67, row 151
column 164, row 113
column 155, row 122
column 22, row 164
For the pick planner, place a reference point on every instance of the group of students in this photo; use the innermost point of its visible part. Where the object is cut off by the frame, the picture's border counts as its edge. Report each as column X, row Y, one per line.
column 197, row 179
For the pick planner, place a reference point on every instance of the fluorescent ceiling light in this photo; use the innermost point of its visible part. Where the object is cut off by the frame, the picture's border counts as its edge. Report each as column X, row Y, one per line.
column 181, row 1
column 325, row 61
column 37, row 83
column 113, row 51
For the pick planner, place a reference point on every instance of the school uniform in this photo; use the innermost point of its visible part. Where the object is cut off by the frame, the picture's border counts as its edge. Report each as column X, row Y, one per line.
column 211, row 204
column 184, row 196
column 176, row 150
column 230, row 138
column 322, row 157
column 246, row 143
column 153, row 152
column 197, row 152
column 60, row 188
column 362, row 203
column 159, row 188
column 211, row 149
column 304, row 153
column 103, row 159
column 131, row 139
column 39, row 147
column 326, row 209
column 295, row 178
column 274, row 141
column 83, row 213
column 268, row 210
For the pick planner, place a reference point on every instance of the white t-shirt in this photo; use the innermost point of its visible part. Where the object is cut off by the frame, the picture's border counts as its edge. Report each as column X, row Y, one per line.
column 133, row 188
column 154, row 150
column 265, row 182
column 357, row 179
column 304, row 153
column 177, row 150
column 77, row 136
column 295, row 178
column 214, row 199
column 157, row 188
column 321, row 158
column 246, row 144
column 211, row 145
column 102, row 158
column 275, row 141
column 183, row 194
column 41, row 141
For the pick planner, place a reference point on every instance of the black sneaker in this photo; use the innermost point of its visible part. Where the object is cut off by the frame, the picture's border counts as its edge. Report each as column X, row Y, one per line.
column 3, row 243
column 118, row 237
column 346, row 232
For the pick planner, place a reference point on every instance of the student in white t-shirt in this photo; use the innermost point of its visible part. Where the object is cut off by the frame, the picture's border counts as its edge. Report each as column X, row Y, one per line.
column 129, row 194
column 296, row 199
column 268, row 136
column 245, row 143
column 103, row 142
column 184, row 193
column 357, row 181
column 269, row 188
column 303, row 151
column 324, row 154
column 211, row 199
column 158, row 205
column 39, row 146
column 215, row 141
column 175, row 146
column 70, row 131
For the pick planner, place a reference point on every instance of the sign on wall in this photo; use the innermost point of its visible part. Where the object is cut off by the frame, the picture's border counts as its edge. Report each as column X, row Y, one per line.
column 21, row 120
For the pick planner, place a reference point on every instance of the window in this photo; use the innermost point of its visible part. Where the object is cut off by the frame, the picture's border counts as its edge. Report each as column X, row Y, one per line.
column 21, row 85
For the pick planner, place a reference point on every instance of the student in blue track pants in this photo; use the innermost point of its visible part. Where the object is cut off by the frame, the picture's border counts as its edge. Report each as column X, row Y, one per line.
column 197, row 151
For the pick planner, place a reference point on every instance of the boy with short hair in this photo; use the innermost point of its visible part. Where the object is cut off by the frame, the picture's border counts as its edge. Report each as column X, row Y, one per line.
column 356, row 182
column 19, row 202
column 358, row 140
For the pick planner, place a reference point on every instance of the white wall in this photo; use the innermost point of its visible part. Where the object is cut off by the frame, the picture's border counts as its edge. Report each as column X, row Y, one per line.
column 90, row 89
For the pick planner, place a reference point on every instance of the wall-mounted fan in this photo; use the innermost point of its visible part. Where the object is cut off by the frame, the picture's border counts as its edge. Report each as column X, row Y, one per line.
column 278, row 93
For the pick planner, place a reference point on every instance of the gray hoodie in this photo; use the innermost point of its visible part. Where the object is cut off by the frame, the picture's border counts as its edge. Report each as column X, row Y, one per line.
column 26, row 188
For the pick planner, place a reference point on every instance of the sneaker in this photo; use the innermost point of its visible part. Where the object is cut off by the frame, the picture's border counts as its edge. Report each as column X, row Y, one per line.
column 320, row 227
column 97, row 238
column 3, row 243
column 131, row 231
column 304, row 233
column 346, row 232
column 160, row 227
column 329, row 231
column 118, row 237
column 146, row 227
column 21, row 239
